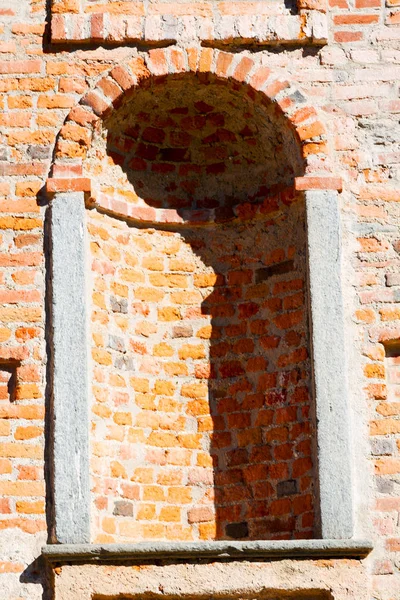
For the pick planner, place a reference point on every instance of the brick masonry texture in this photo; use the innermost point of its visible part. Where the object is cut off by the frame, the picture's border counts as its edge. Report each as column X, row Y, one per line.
column 209, row 437
column 201, row 403
column 201, row 411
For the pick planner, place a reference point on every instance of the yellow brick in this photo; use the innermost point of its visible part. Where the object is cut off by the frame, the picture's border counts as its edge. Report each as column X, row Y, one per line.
column 375, row 370
column 123, row 418
column 131, row 275
column 154, row 493
column 108, row 525
column 146, row 512
column 30, row 508
column 119, row 289
column 117, row 470
column 205, row 280
column 163, row 349
column 179, row 495
column 205, row 332
column 139, row 384
column 153, row 263
column 102, row 357
column 149, row 294
column 169, row 314
column 176, row 264
column 164, row 388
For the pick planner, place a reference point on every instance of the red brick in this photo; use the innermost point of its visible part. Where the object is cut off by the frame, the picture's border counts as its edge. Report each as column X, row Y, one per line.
column 80, row 184
column 348, row 36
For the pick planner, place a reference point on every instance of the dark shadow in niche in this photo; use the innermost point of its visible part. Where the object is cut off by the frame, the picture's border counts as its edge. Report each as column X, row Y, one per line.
column 191, row 145
column 258, row 376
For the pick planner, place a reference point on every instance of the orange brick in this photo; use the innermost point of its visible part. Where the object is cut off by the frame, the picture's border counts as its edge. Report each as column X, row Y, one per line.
column 170, row 513
column 385, row 427
column 5, row 467
column 30, row 508
column 11, row 567
column 375, row 370
column 191, row 351
column 387, row 466
column 367, row 315
column 14, row 450
column 28, row 433
column 146, row 512
column 179, row 495
column 389, row 314
column 194, row 390
column 22, row 488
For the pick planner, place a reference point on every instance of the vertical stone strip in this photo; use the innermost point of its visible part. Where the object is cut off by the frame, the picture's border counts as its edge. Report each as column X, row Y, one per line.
column 329, row 364
column 69, row 370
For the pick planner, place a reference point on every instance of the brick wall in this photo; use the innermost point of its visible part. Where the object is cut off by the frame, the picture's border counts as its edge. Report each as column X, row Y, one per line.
column 201, row 383
column 353, row 83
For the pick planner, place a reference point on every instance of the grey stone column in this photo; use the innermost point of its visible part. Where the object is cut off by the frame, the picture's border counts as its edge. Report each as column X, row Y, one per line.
column 69, row 363
column 329, row 364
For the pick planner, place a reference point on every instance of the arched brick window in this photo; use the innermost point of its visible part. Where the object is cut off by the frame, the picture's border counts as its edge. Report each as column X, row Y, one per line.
column 196, row 259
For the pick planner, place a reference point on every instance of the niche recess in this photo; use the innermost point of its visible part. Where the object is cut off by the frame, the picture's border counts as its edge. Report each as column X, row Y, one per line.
column 201, row 273
column 202, row 425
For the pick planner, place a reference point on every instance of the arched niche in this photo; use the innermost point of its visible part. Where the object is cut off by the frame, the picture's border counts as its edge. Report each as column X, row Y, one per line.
column 206, row 251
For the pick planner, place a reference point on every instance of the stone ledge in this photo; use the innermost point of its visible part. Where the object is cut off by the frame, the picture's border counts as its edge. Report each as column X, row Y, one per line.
column 307, row 28
column 283, row 549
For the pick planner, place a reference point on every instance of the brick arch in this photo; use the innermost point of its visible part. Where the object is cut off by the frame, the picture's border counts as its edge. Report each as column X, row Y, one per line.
column 75, row 137
column 69, row 286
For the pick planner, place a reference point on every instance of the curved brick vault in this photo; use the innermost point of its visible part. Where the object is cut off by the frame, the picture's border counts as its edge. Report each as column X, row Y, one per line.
column 202, row 414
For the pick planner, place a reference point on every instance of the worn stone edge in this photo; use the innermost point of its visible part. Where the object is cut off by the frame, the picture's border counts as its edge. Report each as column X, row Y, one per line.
column 167, row 550
column 334, row 478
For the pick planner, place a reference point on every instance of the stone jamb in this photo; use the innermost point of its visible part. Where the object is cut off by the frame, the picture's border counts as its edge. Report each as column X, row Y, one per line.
column 69, row 363
column 329, row 364
column 333, row 436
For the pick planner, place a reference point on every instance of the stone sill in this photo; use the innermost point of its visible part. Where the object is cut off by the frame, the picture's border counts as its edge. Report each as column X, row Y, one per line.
column 150, row 551
column 307, row 28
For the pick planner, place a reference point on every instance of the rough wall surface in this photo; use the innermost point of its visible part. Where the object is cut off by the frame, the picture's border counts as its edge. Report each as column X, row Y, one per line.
column 283, row 580
column 353, row 83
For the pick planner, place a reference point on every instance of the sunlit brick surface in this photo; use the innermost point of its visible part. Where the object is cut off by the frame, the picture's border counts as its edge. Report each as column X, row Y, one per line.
column 202, row 423
column 345, row 109
column 201, row 413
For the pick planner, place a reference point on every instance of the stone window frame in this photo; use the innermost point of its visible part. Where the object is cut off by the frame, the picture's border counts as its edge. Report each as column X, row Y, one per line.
column 69, row 192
